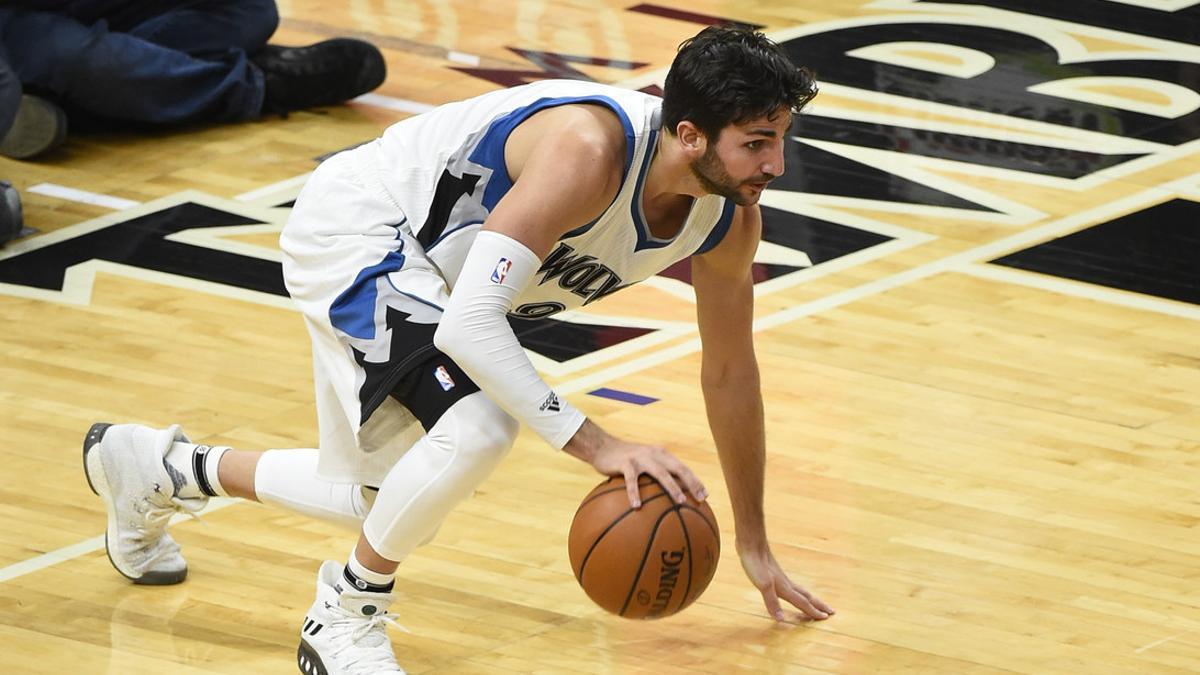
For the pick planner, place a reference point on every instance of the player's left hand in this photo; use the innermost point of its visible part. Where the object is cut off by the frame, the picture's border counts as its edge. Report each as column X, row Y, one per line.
column 773, row 583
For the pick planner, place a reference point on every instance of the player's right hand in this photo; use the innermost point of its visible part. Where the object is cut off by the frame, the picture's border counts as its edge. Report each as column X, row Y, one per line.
column 613, row 456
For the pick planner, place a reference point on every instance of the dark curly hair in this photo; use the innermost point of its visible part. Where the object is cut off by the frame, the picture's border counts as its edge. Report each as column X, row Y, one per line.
column 729, row 75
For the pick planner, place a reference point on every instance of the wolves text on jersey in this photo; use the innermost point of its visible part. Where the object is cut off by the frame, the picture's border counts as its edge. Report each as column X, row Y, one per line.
column 583, row 275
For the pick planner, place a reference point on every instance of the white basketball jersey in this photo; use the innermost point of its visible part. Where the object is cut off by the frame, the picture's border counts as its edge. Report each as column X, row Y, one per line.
column 446, row 170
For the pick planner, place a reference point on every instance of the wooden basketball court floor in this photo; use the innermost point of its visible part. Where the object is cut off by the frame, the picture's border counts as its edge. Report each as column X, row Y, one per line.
column 977, row 322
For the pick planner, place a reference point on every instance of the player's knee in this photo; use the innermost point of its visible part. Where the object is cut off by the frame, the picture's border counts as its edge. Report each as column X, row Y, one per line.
column 487, row 441
column 498, row 436
column 479, row 432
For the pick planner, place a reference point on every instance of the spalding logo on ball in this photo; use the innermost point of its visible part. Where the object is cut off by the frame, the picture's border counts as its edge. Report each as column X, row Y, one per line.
column 643, row 563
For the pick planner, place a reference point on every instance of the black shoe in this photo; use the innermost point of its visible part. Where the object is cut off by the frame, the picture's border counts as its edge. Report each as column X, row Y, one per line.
column 326, row 73
column 39, row 126
column 10, row 212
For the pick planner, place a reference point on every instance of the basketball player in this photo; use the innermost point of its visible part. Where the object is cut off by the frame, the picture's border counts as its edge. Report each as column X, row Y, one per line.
column 407, row 256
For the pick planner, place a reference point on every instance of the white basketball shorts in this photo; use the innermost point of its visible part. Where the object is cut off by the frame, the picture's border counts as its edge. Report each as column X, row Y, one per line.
column 371, row 300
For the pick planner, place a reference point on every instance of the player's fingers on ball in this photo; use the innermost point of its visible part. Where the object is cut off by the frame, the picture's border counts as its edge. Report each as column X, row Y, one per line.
column 631, row 486
column 668, row 482
column 689, row 479
column 694, row 486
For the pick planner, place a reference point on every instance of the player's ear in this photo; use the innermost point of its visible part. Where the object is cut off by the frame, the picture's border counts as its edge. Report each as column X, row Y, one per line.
column 690, row 138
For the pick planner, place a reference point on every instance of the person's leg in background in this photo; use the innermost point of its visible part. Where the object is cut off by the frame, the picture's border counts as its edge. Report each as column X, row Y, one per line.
column 30, row 125
column 10, row 201
column 10, row 96
column 295, row 78
column 184, row 62
column 200, row 28
column 97, row 72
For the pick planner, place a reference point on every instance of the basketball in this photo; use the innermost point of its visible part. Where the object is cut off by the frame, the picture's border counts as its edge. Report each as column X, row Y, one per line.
column 644, row 563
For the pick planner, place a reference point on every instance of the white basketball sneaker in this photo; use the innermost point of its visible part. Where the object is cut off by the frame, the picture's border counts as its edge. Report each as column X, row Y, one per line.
column 344, row 632
column 123, row 464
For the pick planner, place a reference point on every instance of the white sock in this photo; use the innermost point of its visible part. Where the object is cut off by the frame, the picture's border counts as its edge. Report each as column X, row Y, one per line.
column 358, row 576
column 193, row 470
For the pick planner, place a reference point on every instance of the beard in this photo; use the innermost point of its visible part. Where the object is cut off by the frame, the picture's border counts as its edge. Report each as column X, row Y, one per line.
column 710, row 172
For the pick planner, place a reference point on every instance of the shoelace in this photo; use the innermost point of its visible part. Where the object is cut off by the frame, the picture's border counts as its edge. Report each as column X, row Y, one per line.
column 154, row 521
column 365, row 660
column 156, row 517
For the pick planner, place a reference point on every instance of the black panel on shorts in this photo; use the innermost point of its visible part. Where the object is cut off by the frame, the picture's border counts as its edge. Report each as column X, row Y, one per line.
column 431, row 386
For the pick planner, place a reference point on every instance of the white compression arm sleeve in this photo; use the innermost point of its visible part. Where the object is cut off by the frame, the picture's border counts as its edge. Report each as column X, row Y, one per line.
column 475, row 333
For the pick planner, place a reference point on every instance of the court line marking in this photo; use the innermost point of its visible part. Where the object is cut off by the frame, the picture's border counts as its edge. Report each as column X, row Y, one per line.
column 401, row 104
column 1156, row 643
column 51, row 558
column 83, row 196
column 215, row 238
column 270, row 190
column 462, row 57
column 662, row 331
column 79, row 279
column 1081, row 289
column 80, row 549
column 1161, row 5
column 1057, row 34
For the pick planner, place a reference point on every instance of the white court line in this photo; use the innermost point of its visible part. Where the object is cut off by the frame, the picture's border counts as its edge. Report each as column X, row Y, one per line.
column 281, row 186
column 84, row 547
column 51, row 558
column 1081, row 289
column 462, row 57
column 401, row 104
column 71, row 194
column 1156, row 643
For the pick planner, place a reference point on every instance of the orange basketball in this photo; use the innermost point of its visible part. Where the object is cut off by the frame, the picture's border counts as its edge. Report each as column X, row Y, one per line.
column 645, row 563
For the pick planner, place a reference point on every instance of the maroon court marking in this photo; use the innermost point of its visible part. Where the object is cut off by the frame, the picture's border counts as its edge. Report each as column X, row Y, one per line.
column 693, row 17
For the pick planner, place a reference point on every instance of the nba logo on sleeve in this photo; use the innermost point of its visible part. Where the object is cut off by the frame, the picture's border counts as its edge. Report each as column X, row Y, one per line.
column 443, row 378
column 501, row 270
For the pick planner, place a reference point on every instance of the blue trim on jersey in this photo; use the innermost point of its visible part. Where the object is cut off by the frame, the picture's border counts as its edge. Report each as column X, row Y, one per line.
column 448, row 232
column 410, row 296
column 646, row 240
column 490, row 150
column 581, row 229
column 720, row 230
column 353, row 312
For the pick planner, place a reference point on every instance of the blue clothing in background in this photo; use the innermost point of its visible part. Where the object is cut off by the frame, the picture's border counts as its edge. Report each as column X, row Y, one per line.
column 10, row 96
column 148, row 62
